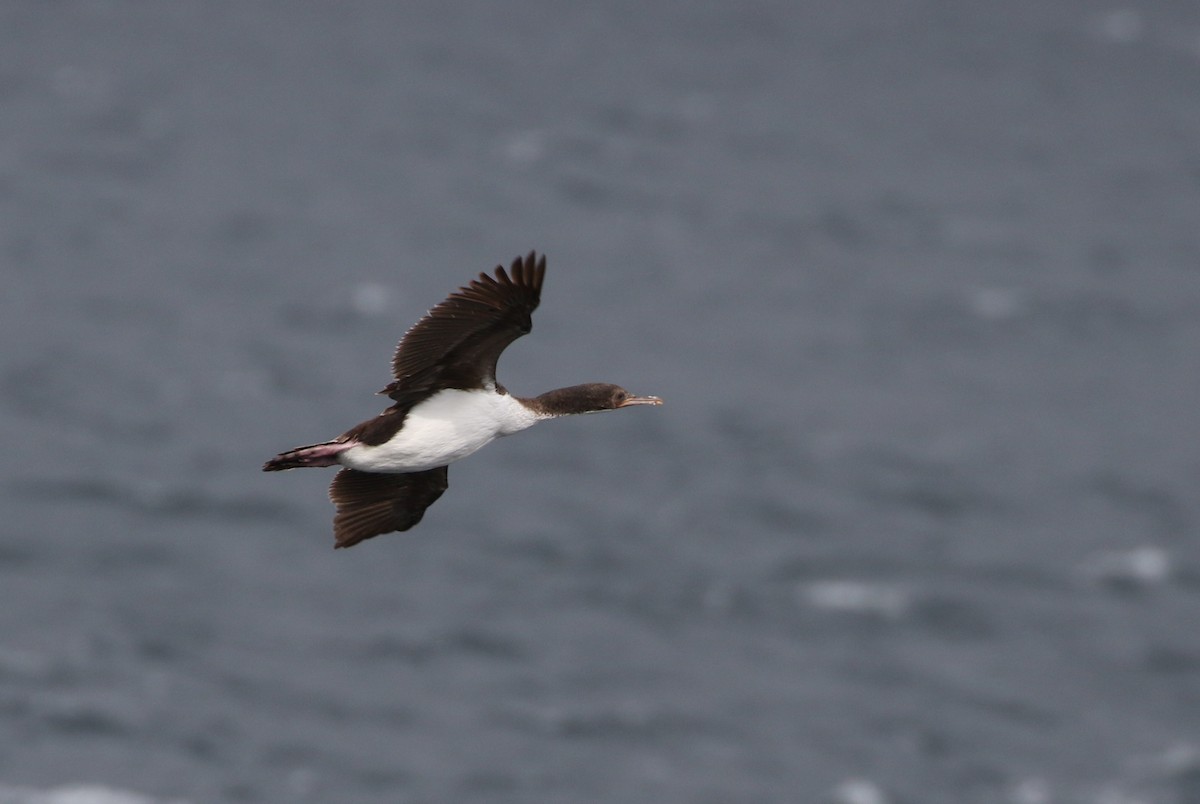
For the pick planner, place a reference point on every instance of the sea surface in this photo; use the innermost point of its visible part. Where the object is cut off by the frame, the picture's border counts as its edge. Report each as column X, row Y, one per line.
column 919, row 522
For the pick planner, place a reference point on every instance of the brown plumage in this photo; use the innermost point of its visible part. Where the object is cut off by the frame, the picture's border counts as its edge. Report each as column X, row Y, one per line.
column 370, row 503
column 457, row 343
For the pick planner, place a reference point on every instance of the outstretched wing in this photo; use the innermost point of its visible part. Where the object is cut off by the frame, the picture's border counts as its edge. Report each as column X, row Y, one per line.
column 457, row 343
column 369, row 504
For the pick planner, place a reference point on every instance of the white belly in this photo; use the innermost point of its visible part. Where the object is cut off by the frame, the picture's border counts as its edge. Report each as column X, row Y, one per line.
column 448, row 426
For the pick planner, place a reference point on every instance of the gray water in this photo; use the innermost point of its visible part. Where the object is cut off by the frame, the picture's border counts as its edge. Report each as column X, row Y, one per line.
column 918, row 281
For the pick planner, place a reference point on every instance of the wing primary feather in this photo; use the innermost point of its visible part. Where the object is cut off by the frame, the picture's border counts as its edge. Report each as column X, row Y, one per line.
column 370, row 504
column 457, row 343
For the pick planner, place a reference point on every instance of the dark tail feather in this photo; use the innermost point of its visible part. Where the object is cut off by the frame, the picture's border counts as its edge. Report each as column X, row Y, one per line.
column 313, row 455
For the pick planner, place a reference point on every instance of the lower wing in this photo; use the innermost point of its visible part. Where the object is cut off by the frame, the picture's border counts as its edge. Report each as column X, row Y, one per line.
column 371, row 503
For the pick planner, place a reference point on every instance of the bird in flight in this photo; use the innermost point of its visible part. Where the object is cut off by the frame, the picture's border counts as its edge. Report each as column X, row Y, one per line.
column 447, row 405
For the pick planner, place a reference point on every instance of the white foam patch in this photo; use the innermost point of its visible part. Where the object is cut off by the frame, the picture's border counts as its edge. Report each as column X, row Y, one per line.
column 1140, row 566
column 1032, row 791
column 859, row 791
column 1123, row 26
column 996, row 304
column 525, row 148
column 370, row 299
column 856, row 597
column 76, row 794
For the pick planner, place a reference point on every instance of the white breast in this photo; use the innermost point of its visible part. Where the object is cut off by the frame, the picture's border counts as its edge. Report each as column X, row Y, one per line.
column 448, row 426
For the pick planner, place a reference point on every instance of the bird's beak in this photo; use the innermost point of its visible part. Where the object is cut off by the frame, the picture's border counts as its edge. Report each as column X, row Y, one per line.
column 640, row 400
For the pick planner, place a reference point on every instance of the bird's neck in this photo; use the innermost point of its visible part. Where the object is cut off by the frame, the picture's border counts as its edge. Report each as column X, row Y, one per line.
column 559, row 402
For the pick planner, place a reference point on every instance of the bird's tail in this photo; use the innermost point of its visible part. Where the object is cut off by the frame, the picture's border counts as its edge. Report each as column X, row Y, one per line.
column 324, row 454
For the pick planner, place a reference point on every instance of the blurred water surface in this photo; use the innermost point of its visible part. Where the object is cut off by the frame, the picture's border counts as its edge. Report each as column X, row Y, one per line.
column 918, row 281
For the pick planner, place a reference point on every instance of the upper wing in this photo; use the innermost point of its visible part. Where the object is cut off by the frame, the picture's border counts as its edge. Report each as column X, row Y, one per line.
column 369, row 504
column 457, row 343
